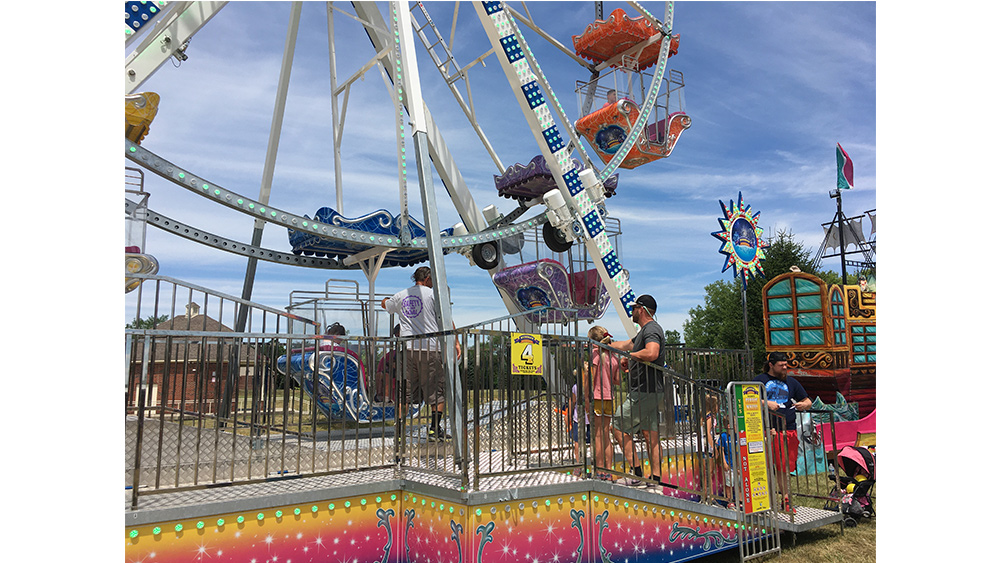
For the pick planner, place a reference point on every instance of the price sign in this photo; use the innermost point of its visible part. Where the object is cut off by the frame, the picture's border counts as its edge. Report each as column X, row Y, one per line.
column 525, row 354
column 753, row 454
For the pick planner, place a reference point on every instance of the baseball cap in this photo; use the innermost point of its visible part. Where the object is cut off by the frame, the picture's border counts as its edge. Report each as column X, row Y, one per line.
column 648, row 302
column 775, row 357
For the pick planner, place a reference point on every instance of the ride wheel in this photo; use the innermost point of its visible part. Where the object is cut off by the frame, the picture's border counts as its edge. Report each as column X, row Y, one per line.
column 246, row 101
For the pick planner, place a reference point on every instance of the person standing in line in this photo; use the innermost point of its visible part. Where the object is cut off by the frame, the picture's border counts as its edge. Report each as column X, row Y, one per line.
column 605, row 373
column 385, row 375
column 417, row 311
column 785, row 396
column 573, row 420
column 640, row 411
column 724, row 458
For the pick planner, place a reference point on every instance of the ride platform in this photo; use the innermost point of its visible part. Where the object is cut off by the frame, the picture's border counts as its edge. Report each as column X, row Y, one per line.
column 416, row 512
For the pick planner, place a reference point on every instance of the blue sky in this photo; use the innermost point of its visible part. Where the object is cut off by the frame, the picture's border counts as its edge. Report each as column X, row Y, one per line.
column 771, row 88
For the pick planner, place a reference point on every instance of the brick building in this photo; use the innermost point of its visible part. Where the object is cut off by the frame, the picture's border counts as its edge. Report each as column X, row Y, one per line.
column 187, row 371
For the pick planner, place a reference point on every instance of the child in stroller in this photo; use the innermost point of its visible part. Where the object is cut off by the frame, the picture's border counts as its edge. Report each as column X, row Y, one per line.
column 852, row 492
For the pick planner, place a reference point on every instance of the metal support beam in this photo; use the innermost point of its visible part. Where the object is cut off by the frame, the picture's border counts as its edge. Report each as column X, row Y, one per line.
column 442, row 294
column 272, row 152
column 337, row 131
column 447, row 170
column 169, row 35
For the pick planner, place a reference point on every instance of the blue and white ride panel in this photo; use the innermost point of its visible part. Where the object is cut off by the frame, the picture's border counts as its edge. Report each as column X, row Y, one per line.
column 513, row 54
column 334, row 379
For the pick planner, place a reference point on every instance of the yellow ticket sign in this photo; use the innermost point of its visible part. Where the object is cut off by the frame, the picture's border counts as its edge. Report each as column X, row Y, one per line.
column 525, row 354
column 753, row 453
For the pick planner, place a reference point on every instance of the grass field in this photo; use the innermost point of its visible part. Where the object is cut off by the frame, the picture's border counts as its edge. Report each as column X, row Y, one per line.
column 822, row 545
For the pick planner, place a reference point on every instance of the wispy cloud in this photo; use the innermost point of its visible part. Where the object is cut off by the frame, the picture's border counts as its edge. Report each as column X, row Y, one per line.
column 771, row 88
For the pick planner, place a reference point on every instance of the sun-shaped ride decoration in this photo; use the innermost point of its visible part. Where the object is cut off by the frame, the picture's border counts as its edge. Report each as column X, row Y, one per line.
column 742, row 241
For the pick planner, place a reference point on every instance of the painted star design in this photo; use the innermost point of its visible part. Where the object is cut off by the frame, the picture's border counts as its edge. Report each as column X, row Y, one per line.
column 742, row 240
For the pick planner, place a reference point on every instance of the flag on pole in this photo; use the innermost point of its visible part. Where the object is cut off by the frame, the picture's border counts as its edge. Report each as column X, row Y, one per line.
column 845, row 170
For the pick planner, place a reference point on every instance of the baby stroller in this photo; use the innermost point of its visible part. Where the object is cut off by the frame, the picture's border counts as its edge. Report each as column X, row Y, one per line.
column 852, row 492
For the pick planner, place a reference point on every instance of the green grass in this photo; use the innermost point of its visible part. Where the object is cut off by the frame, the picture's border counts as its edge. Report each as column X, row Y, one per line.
column 822, row 545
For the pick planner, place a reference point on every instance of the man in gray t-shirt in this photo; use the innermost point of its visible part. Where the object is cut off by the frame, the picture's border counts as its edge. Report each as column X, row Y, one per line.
column 640, row 411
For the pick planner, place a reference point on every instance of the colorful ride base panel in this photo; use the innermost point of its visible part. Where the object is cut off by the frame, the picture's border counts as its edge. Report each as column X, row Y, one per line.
column 607, row 128
column 407, row 526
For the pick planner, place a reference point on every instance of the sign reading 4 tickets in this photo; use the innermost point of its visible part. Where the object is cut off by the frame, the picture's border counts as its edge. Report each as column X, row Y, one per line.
column 525, row 354
column 753, row 454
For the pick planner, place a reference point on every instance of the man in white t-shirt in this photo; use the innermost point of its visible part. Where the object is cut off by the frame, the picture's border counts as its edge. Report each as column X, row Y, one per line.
column 417, row 311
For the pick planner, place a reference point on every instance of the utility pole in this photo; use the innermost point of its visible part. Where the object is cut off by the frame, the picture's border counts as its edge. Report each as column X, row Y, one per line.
column 840, row 231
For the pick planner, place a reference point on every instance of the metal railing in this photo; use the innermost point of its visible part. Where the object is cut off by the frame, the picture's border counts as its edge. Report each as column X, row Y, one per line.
column 207, row 406
column 814, row 477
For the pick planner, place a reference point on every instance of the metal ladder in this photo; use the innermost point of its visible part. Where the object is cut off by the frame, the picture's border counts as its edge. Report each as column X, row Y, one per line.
column 445, row 62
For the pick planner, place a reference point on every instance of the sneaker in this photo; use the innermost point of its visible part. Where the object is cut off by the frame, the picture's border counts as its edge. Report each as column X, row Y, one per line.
column 438, row 435
column 629, row 482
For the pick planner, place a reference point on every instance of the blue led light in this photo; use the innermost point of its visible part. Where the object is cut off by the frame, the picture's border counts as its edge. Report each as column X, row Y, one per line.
column 138, row 14
column 533, row 94
column 628, row 300
column 492, row 7
column 593, row 223
column 611, row 263
column 511, row 48
column 553, row 138
column 573, row 183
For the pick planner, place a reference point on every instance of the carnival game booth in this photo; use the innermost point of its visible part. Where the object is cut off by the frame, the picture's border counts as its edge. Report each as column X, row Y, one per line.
column 828, row 332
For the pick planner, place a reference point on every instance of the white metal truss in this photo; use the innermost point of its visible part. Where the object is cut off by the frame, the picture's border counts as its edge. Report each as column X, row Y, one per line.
column 167, row 37
column 369, row 15
column 513, row 54
column 406, row 77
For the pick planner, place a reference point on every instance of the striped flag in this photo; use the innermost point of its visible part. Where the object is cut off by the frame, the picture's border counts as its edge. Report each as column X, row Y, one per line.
column 845, row 170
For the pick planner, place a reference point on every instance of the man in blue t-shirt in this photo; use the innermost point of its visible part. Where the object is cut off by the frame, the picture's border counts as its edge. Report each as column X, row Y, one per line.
column 785, row 396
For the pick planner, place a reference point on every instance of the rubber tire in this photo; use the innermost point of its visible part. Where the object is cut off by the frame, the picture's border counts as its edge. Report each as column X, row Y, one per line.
column 554, row 239
column 486, row 255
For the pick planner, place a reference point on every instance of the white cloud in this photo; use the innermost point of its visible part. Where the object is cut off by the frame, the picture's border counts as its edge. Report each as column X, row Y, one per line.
column 771, row 89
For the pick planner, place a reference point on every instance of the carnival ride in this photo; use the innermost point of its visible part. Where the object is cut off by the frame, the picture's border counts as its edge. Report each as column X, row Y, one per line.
column 335, row 378
column 829, row 334
column 560, row 194
column 574, row 211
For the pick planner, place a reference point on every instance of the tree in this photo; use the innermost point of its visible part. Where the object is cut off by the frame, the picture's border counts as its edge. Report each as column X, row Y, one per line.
column 147, row 323
column 719, row 323
column 672, row 337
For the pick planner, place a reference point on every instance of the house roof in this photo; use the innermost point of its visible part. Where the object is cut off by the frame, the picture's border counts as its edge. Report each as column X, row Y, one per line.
column 199, row 322
column 197, row 348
